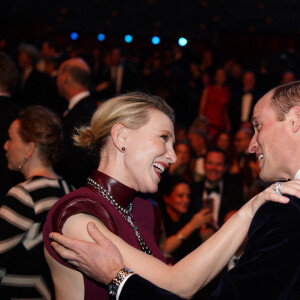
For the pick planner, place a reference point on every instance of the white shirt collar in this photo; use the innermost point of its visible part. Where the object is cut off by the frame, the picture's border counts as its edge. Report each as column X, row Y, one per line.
column 297, row 176
column 74, row 100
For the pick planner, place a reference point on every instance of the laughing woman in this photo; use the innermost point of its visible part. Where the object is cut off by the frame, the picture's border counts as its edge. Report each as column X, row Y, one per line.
column 134, row 136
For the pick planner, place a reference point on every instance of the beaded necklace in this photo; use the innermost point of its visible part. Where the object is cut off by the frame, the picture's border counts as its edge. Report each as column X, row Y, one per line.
column 125, row 213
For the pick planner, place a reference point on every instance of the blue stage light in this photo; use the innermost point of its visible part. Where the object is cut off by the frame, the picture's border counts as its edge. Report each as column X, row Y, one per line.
column 182, row 41
column 128, row 38
column 101, row 37
column 155, row 40
column 74, row 36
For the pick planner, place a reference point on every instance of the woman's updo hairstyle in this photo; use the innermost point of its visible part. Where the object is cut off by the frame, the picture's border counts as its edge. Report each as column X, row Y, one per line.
column 43, row 127
column 131, row 110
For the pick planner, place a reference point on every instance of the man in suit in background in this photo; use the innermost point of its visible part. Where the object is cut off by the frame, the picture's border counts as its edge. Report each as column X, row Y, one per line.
column 8, row 112
column 243, row 101
column 34, row 87
column 116, row 76
column 73, row 82
column 215, row 186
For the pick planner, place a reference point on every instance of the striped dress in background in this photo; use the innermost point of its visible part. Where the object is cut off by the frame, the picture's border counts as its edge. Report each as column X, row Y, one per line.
column 23, row 269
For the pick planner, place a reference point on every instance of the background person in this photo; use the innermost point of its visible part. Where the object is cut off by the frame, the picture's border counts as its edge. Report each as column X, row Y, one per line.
column 73, row 80
column 183, row 166
column 34, row 144
column 8, row 112
column 214, row 103
column 182, row 229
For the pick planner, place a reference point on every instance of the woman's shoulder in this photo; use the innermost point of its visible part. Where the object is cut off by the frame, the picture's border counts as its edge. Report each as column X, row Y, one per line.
column 79, row 201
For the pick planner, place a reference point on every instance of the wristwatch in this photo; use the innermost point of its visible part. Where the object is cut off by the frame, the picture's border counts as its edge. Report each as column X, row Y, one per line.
column 115, row 283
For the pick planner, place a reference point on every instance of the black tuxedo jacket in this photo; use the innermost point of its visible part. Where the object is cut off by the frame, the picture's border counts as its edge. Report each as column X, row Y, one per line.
column 130, row 81
column 269, row 269
column 270, row 265
column 235, row 106
column 232, row 198
column 38, row 89
column 76, row 165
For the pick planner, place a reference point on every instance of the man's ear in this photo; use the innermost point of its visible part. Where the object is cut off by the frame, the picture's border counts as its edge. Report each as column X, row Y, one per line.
column 119, row 134
column 294, row 115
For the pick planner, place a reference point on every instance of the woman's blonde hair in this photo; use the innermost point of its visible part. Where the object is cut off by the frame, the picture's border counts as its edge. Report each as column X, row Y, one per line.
column 131, row 110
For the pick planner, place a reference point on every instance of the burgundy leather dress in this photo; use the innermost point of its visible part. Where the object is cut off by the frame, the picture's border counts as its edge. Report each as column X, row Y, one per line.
column 87, row 200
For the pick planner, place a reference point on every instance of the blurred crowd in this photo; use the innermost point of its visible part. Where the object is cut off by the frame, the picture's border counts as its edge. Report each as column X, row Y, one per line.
column 213, row 100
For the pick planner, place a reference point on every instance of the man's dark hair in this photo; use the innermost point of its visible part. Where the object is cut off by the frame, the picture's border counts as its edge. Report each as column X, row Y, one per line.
column 31, row 51
column 218, row 150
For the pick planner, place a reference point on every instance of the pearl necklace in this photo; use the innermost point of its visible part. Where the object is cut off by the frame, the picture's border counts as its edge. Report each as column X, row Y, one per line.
column 125, row 213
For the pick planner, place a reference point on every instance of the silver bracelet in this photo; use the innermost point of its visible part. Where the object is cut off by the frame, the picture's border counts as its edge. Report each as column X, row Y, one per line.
column 115, row 283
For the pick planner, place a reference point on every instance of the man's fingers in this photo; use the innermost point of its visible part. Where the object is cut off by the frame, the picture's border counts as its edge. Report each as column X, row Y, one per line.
column 64, row 252
column 63, row 240
column 95, row 234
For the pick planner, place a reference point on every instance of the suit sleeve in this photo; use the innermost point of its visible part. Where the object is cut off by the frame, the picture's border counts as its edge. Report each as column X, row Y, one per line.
column 270, row 265
column 136, row 288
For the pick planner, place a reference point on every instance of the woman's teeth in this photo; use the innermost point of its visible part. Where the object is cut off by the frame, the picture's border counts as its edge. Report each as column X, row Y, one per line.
column 159, row 167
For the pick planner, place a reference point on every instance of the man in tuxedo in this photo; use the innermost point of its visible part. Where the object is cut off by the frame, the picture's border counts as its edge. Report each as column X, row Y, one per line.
column 222, row 192
column 270, row 265
column 73, row 82
column 242, row 102
column 34, row 87
column 116, row 76
column 8, row 112
column 241, row 169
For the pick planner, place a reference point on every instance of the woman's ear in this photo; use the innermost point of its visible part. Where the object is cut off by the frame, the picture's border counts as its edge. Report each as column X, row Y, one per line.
column 30, row 148
column 119, row 134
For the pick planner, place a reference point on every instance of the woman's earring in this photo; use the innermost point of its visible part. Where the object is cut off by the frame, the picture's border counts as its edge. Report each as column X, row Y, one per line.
column 123, row 149
column 22, row 164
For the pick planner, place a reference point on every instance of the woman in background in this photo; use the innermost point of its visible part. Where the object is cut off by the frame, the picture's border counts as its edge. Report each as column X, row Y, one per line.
column 34, row 145
column 183, row 166
column 214, row 103
column 182, row 229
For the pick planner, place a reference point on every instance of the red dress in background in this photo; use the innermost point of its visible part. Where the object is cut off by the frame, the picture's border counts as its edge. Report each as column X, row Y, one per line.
column 215, row 109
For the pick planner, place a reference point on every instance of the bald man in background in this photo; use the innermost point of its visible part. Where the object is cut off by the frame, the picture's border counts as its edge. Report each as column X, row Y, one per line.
column 73, row 81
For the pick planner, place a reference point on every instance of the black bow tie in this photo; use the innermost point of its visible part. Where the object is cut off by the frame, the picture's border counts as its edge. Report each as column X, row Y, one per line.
column 215, row 189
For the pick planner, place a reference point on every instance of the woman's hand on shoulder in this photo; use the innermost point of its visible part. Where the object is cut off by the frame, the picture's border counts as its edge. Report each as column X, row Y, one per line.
column 291, row 188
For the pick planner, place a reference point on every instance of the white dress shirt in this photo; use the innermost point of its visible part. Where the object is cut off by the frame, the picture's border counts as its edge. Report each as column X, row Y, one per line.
column 74, row 100
column 297, row 176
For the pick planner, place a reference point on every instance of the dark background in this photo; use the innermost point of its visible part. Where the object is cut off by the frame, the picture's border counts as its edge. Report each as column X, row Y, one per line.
column 234, row 26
